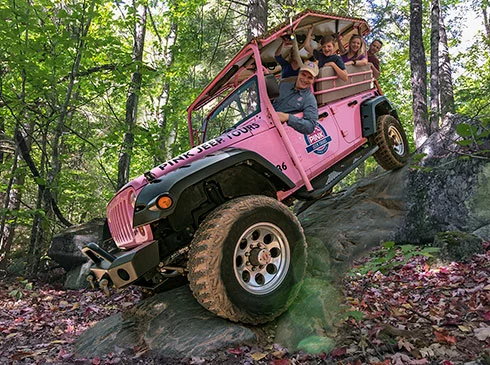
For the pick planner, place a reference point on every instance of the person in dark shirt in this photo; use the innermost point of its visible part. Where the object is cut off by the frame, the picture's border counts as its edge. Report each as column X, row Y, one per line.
column 289, row 67
column 374, row 48
column 326, row 56
column 296, row 97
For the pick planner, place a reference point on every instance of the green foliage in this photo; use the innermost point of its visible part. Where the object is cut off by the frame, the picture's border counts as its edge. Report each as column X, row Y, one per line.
column 18, row 293
column 472, row 86
column 355, row 315
column 317, row 344
column 391, row 256
column 473, row 137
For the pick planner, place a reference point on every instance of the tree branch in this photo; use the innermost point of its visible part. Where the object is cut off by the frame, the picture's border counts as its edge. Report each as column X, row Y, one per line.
column 24, row 151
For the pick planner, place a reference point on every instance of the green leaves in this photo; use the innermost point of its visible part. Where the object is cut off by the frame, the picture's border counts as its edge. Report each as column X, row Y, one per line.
column 473, row 136
column 466, row 130
column 18, row 293
column 391, row 256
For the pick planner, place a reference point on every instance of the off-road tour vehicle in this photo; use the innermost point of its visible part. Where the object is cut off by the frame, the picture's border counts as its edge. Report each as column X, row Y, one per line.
column 217, row 215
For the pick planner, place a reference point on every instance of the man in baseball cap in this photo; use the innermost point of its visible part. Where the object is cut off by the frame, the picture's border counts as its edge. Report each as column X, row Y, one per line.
column 311, row 67
column 296, row 97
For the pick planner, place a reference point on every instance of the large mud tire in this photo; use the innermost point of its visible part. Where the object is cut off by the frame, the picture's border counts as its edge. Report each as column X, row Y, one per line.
column 247, row 260
column 393, row 150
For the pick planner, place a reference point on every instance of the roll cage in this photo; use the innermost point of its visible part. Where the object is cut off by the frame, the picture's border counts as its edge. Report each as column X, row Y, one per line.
column 258, row 54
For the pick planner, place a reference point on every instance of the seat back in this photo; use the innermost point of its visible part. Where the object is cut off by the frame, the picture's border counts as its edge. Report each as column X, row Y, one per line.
column 329, row 87
column 272, row 86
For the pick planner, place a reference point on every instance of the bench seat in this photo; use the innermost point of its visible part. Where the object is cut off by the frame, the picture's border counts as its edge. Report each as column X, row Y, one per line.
column 328, row 87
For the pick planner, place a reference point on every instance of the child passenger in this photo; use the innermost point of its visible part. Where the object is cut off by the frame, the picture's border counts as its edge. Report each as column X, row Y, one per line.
column 327, row 56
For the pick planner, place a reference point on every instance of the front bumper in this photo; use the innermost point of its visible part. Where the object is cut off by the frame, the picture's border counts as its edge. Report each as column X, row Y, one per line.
column 125, row 268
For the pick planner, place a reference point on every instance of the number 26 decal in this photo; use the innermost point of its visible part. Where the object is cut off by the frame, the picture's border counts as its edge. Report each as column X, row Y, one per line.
column 282, row 167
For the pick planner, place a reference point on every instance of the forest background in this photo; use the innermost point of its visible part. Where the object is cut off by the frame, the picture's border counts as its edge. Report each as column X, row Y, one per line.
column 93, row 93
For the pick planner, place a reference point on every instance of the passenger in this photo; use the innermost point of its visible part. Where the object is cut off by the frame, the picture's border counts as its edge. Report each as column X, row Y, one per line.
column 327, row 56
column 374, row 48
column 297, row 96
column 289, row 67
column 356, row 53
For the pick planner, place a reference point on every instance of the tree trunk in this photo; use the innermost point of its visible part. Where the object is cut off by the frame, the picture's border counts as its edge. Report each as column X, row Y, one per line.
column 445, row 74
column 257, row 18
column 53, row 173
column 11, row 203
column 419, row 74
column 163, row 137
column 132, row 98
column 434, row 67
column 486, row 20
column 38, row 237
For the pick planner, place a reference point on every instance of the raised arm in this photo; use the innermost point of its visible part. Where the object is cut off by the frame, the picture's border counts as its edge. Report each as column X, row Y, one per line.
column 296, row 55
column 307, row 45
column 279, row 49
column 338, row 38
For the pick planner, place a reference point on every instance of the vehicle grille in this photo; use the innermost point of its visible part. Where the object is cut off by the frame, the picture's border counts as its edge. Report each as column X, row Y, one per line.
column 120, row 220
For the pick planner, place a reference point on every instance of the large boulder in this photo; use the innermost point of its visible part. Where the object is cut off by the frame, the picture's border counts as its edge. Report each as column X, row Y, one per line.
column 66, row 250
column 171, row 325
column 66, row 246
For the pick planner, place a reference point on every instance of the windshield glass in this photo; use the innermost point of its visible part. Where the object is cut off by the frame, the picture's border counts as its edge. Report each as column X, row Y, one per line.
column 226, row 112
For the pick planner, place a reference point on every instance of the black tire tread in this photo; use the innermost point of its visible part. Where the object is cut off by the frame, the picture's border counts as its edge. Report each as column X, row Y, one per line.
column 385, row 156
column 204, row 253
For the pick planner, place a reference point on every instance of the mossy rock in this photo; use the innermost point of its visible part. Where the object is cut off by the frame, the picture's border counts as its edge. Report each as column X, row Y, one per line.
column 457, row 246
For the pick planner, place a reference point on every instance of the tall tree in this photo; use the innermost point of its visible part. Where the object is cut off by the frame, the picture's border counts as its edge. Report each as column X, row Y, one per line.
column 419, row 74
column 486, row 18
column 257, row 18
column 446, row 91
column 434, row 65
column 139, row 31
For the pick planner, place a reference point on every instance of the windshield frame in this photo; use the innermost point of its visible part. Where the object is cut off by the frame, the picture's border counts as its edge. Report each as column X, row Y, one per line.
column 251, row 83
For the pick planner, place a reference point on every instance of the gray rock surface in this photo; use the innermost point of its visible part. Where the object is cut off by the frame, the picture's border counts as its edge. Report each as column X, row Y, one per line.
column 170, row 325
column 66, row 246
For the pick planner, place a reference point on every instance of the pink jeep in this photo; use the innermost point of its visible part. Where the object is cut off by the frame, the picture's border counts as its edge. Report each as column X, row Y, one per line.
column 217, row 214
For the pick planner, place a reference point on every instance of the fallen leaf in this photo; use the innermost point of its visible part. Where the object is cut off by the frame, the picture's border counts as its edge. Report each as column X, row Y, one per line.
column 281, row 362
column 258, row 356
column 237, row 351
column 482, row 333
column 404, row 344
column 442, row 337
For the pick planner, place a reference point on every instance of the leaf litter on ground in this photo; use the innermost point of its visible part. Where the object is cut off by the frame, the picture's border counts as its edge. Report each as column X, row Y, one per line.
column 419, row 311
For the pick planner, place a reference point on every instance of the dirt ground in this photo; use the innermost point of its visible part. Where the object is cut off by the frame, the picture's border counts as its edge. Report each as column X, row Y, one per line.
column 418, row 312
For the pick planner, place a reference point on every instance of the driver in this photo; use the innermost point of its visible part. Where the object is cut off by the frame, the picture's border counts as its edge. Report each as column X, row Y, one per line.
column 295, row 97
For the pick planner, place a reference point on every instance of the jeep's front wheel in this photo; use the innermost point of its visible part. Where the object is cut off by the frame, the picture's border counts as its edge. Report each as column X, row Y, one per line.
column 247, row 260
column 393, row 150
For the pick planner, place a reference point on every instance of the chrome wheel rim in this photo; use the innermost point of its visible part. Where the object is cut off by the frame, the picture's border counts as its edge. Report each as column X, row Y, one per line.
column 261, row 258
column 396, row 141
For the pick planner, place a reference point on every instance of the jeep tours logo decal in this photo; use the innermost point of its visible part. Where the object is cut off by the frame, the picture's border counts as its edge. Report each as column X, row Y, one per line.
column 317, row 141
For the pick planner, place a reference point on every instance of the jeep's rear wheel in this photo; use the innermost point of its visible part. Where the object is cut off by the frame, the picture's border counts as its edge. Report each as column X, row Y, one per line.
column 393, row 150
column 247, row 260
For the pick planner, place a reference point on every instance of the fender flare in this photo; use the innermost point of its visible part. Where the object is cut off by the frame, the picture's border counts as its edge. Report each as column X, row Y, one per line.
column 174, row 183
column 371, row 109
